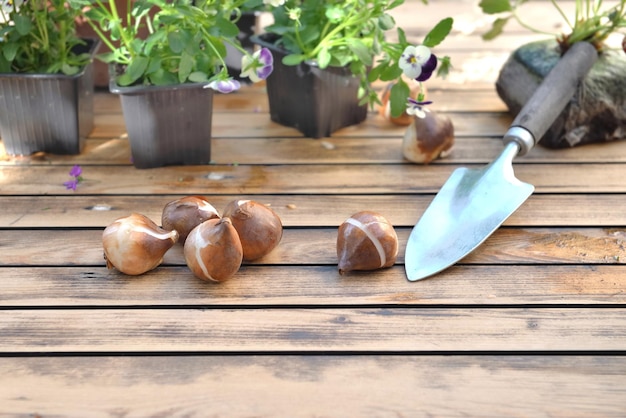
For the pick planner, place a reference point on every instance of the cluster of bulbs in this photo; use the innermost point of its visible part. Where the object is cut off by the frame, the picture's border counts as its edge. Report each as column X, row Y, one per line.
column 215, row 246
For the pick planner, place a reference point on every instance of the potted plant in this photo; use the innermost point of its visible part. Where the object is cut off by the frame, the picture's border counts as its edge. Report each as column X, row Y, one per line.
column 41, row 52
column 328, row 55
column 597, row 113
column 166, row 80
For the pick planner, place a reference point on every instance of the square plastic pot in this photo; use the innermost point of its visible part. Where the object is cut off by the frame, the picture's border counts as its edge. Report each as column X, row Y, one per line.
column 50, row 113
column 314, row 101
column 167, row 125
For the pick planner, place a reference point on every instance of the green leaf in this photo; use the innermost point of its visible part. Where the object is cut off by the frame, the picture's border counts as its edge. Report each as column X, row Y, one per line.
column 496, row 29
column 140, row 9
column 438, row 33
column 386, row 22
column 323, row 58
column 69, row 69
column 293, row 59
column 444, row 67
column 335, row 13
column 402, row 37
column 154, row 65
column 375, row 72
column 107, row 57
column 10, row 51
column 176, row 42
column 360, row 50
column 124, row 80
column 227, row 28
column 398, row 97
column 198, row 77
column 185, row 67
column 343, row 57
column 5, row 66
column 495, row 6
column 391, row 73
column 22, row 24
column 162, row 78
column 135, row 70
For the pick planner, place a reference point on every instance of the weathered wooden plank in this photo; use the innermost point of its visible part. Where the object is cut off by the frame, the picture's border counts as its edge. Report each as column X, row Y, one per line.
column 305, row 386
column 298, row 179
column 301, row 211
column 253, row 99
column 311, row 330
column 465, row 285
column 75, row 247
column 233, row 125
column 346, row 150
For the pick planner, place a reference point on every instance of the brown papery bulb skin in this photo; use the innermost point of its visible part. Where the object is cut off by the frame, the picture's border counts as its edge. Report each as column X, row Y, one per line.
column 428, row 138
column 259, row 227
column 186, row 213
column 213, row 250
column 366, row 241
column 135, row 244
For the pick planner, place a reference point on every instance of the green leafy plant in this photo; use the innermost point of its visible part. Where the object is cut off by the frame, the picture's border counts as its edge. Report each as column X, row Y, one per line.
column 592, row 22
column 186, row 41
column 39, row 36
column 353, row 33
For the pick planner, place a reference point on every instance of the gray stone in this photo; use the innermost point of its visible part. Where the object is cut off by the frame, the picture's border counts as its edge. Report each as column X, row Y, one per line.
column 596, row 113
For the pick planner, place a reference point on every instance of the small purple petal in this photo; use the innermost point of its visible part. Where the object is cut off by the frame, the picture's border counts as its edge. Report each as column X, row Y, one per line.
column 76, row 171
column 431, row 64
column 425, row 75
column 265, row 57
column 71, row 185
column 264, row 72
column 225, row 86
column 416, row 103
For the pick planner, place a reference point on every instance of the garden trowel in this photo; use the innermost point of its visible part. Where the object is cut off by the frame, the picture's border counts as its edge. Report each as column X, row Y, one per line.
column 473, row 203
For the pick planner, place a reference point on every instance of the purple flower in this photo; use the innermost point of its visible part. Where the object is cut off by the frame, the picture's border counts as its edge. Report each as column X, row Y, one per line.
column 76, row 171
column 224, row 86
column 71, row 184
column 258, row 66
column 417, row 108
column 428, row 68
column 417, row 62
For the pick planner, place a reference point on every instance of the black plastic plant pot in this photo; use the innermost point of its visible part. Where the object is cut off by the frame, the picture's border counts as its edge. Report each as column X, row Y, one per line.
column 167, row 125
column 50, row 113
column 314, row 101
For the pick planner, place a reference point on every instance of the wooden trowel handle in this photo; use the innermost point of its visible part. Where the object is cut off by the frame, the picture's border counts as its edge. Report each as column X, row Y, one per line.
column 552, row 95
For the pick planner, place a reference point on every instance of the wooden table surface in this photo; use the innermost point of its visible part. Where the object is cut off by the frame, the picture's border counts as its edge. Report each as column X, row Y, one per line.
column 533, row 323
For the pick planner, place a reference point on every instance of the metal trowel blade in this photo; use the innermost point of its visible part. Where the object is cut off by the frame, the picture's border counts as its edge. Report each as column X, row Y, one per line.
column 470, row 206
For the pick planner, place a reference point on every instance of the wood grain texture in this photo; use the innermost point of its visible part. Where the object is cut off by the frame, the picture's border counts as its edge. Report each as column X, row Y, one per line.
column 463, row 285
column 305, row 386
column 357, row 150
column 300, row 179
column 301, row 211
column 304, row 246
column 331, row 330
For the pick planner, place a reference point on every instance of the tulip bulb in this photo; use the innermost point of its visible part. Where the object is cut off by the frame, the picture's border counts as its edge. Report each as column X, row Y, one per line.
column 135, row 244
column 213, row 250
column 259, row 227
column 366, row 241
column 428, row 138
column 186, row 213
